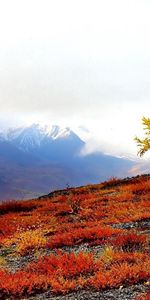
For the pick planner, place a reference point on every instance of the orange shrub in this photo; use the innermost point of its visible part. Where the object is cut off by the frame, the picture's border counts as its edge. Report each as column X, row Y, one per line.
column 64, row 264
column 130, row 241
column 145, row 296
column 16, row 206
column 119, row 274
column 140, row 187
column 82, row 215
column 82, row 235
column 21, row 283
column 65, row 272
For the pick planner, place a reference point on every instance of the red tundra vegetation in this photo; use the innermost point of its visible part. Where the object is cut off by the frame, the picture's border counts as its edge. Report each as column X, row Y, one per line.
column 145, row 296
column 92, row 237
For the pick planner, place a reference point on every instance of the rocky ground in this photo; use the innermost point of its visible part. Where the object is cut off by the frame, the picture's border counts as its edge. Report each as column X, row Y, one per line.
column 123, row 293
column 15, row 263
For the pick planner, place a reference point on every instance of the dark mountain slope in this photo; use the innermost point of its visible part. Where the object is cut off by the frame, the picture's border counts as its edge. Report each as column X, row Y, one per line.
column 34, row 161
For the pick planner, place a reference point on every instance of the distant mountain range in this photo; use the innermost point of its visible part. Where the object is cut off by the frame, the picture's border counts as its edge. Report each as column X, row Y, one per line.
column 35, row 160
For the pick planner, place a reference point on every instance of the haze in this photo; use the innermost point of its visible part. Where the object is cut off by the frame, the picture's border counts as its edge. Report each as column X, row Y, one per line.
column 77, row 63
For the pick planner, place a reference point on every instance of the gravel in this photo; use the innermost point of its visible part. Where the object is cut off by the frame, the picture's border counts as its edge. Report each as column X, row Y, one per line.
column 143, row 225
column 123, row 293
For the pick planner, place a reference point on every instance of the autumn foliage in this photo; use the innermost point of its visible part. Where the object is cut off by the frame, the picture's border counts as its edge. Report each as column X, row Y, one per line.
column 107, row 220
column 145, row 296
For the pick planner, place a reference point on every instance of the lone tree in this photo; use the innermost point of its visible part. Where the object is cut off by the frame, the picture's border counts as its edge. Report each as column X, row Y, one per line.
column 144, row 144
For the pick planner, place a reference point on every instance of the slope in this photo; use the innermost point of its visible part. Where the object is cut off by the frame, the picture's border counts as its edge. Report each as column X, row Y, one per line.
column 35, row 160
column 78, row 243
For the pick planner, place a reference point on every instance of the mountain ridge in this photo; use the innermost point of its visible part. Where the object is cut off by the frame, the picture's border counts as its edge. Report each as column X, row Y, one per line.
column 40, row 159
column 32, row 136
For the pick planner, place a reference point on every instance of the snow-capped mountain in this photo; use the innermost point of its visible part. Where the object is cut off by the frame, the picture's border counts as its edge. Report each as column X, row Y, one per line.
column 37, row 159
column 34, row 136
column 25, row 138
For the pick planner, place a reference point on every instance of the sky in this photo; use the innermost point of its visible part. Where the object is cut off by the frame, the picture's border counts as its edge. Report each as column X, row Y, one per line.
column 83, row 63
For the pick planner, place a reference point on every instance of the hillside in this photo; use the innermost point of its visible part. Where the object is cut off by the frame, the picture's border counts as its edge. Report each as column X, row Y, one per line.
column 90, row 242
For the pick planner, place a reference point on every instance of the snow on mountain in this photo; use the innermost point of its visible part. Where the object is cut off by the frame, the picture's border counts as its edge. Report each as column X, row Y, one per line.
column 43, row 158
column 26, row 138
column 59, row 133
column 31, row 137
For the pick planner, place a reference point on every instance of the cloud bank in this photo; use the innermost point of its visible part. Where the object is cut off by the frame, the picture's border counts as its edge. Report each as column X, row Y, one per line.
column 77, row 62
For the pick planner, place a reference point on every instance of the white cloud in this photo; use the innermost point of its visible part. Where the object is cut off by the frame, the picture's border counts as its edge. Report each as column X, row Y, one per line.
column 78, row 63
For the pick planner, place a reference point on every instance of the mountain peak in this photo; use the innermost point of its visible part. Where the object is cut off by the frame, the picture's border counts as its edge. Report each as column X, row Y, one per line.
column 57, row 132
column 31, row 137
